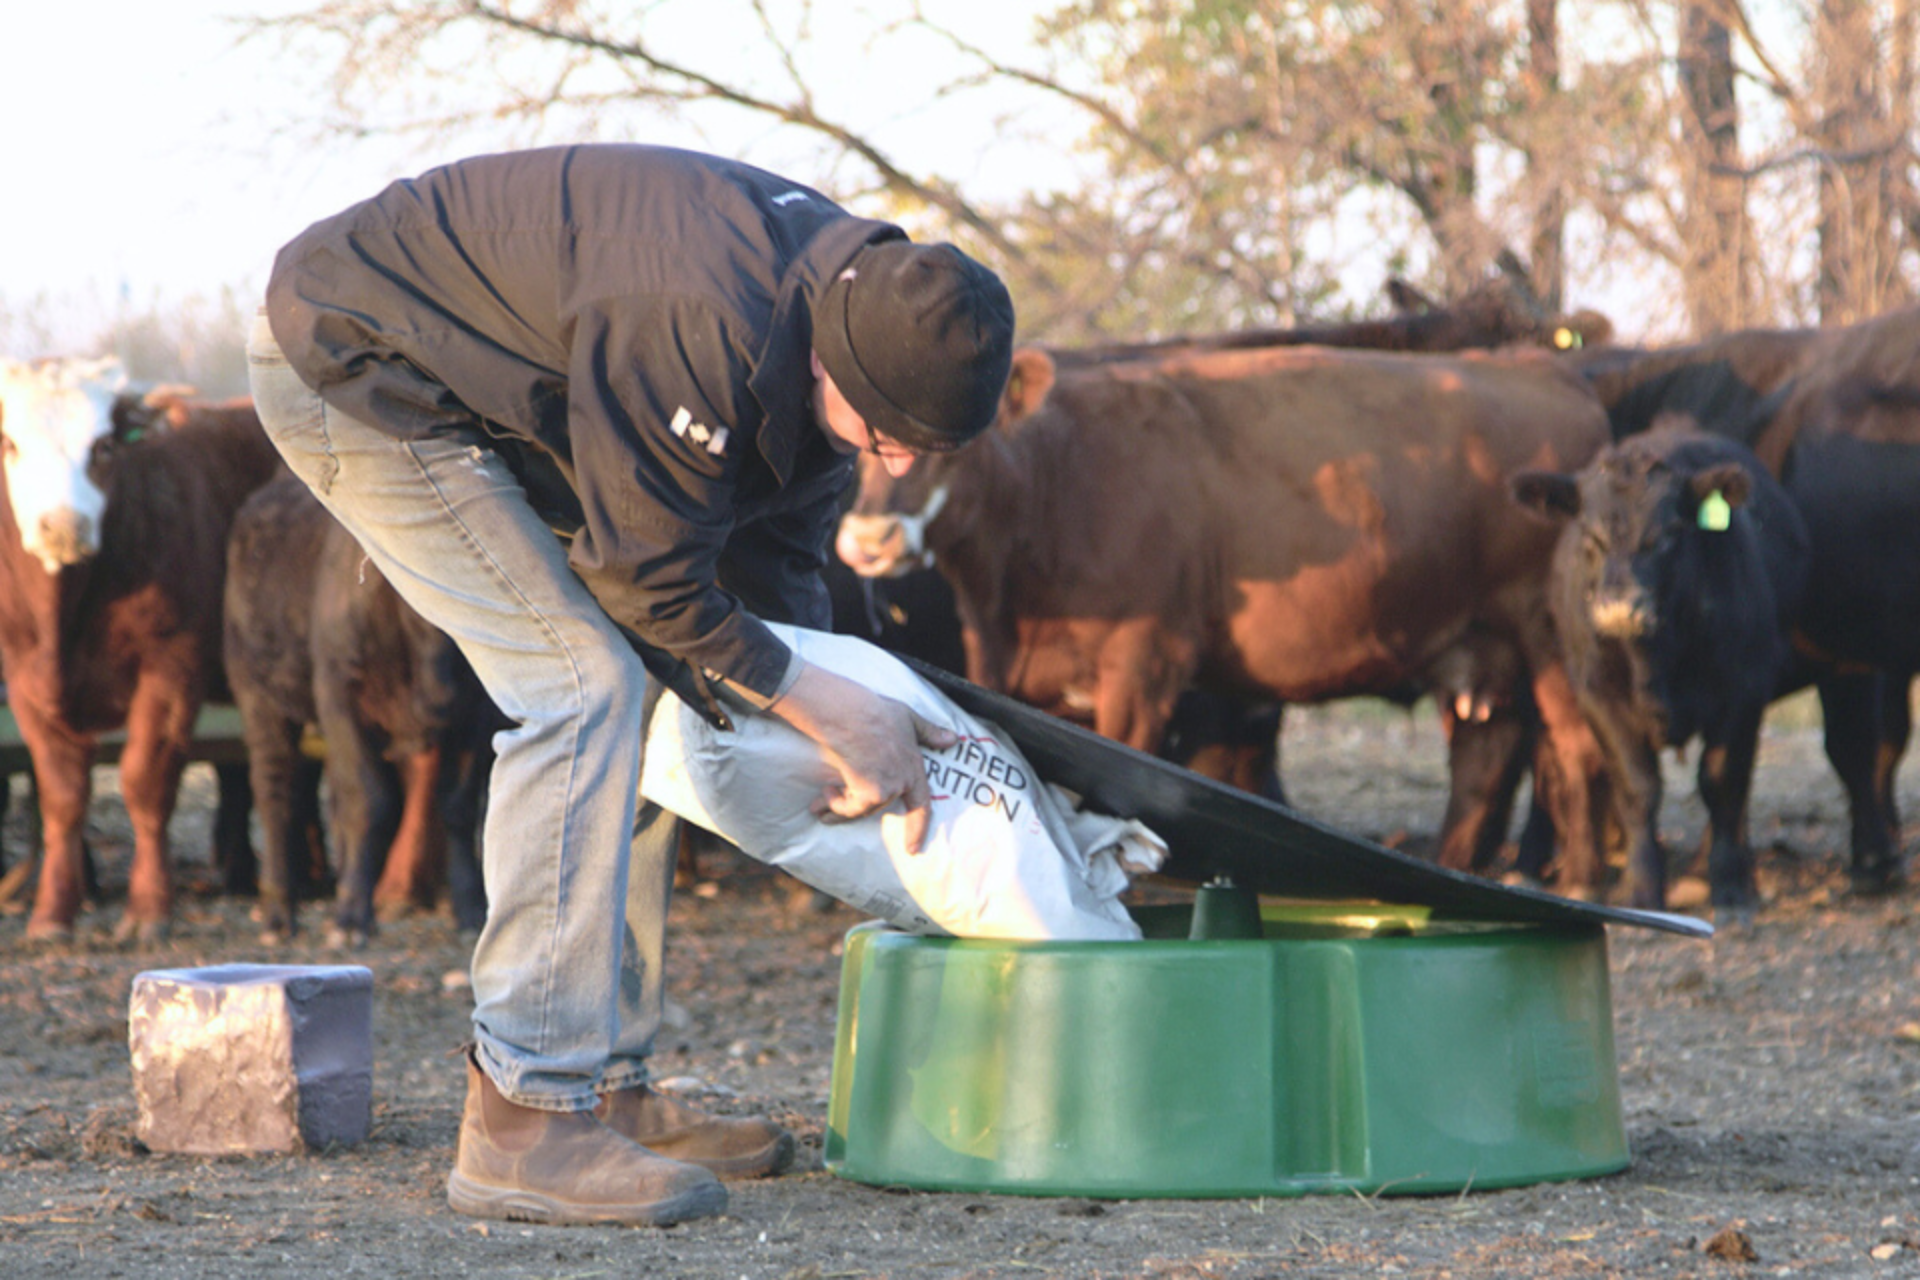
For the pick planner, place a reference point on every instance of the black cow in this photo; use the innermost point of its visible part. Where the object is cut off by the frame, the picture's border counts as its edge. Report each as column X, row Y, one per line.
column 1832, row 414
column 1675, row 587
column 1853, row 470
column 315, row 635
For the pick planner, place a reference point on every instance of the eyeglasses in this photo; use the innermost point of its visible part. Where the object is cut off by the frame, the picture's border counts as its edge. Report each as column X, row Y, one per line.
column 887, row 448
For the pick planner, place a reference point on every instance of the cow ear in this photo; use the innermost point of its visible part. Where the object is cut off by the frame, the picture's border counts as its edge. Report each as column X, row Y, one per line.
column 1729, row 479
column 1585, row 329
column 1027, row 385
column 1552, row 495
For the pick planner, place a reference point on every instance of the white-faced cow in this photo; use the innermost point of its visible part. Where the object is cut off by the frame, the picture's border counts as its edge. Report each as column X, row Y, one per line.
column 110, row 608
column 1297, row 523
column 1679, row 576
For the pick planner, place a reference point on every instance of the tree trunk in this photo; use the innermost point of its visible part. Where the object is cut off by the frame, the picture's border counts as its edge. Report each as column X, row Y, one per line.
column 1548, row 247
column 1857, row 221
column 1718, row 269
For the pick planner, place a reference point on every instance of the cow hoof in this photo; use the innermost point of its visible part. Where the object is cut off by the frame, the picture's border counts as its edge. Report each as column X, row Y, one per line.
column 340, row 938
column 141, row 932
column 1735, row 915
column 390, row 910
column 49, row 932
column 1689, row 893
column 1876, row 880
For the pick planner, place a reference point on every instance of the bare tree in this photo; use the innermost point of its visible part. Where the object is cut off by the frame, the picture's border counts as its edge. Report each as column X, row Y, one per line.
column 1858, row 148
column 1226, row 128
column 1230, row 162
column 546, row 68
column 1718, row 239
column 1542, row 91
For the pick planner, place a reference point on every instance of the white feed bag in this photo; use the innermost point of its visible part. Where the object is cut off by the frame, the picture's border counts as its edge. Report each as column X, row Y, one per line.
column 1006, row 855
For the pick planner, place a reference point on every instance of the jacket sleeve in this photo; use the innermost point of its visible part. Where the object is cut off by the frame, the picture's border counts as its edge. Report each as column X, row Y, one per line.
column 654, row 421
column 774, row 564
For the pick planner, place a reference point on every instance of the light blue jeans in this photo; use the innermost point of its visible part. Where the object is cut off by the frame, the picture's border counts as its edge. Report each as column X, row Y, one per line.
column 567, row 986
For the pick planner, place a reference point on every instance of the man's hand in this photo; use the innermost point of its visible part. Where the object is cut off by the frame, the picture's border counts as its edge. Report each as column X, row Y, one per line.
column 873, row 741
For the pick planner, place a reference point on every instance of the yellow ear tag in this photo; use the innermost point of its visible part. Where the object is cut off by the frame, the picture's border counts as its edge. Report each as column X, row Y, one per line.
column 1716, row 514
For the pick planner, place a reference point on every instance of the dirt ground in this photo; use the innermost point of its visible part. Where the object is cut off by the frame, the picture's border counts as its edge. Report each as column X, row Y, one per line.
column 1769, row 1080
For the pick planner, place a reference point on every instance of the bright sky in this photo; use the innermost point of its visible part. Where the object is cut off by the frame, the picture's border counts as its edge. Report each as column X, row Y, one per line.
column 138, row 155
column 149, row 158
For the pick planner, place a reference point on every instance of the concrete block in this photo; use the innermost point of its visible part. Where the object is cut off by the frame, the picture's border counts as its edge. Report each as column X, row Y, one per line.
column 247, row 1058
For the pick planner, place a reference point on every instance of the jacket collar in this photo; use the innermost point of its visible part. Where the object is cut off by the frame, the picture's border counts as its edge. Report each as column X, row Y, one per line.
column 782, row 376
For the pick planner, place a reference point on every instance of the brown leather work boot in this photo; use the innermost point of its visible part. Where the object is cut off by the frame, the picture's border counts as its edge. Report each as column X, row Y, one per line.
column 751, row 1147
column 529, row 1165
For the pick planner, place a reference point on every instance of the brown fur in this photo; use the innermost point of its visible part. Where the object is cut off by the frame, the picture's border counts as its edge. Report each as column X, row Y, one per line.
column 131, row 638
column 1302, row 522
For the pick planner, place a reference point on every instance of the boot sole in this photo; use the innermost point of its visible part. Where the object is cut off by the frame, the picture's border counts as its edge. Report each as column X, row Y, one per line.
column 516, row 1204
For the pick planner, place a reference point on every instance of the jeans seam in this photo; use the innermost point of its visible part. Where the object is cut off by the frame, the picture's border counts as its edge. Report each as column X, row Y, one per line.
column 573, row 755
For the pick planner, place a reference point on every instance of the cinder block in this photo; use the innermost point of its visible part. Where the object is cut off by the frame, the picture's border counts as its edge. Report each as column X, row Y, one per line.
column 245, row 1058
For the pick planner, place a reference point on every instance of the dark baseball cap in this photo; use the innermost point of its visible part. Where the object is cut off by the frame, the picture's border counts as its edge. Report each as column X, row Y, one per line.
column 919, row 339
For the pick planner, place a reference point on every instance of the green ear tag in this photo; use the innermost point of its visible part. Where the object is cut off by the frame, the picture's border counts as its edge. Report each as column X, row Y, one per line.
column 1716, row 514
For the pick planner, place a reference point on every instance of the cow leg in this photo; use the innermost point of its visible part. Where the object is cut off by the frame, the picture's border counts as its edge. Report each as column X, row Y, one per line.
column 273, row 761
column 1637, row 803
column 416, row 860
column 233, row 858
column 1257, row 734
column 1851, row 704
column 1896, row 727
column 1220, row 738
column 63, row 785
column 1485, row 761
column 1725, row 779
column 464, row 808
column 159, row 733
column 364, row 803
column 1533, row 851
column 1139, row 679
column 309, row 873
column 1576, row 770
column 1625, row 801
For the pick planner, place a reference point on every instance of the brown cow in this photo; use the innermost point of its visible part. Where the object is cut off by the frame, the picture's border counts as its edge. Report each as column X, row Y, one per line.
column 1301, row 523
column 1236, row 743
column 110, row 608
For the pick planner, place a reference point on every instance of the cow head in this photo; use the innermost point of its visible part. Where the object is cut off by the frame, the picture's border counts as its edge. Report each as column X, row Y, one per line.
column 52, row 413
column 886, row 532
column 1634, row 516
